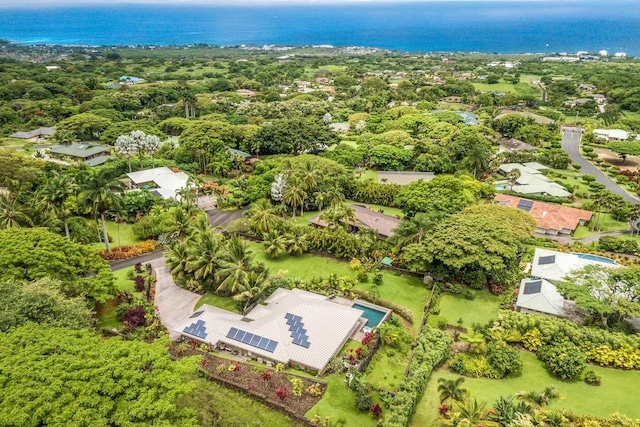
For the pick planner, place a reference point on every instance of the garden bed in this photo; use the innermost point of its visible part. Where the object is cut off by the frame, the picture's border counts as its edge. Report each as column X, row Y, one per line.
column 276, row 389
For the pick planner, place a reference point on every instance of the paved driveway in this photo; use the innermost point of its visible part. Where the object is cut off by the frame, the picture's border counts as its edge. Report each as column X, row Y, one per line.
column 174, row 303
column 571, row 144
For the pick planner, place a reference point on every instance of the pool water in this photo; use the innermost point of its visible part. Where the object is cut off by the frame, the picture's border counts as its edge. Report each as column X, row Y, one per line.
column 373, row 316
column 595, row 258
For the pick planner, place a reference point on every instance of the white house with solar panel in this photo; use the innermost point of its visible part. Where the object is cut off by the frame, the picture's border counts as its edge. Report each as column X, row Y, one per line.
column 293, row 327
column 538, row 293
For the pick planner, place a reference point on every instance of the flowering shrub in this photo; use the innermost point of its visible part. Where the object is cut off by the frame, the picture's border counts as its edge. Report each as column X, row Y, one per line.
column 129, row 251
column 376, row 410
column 314, row 390
column 265, row 375
column 368, row 337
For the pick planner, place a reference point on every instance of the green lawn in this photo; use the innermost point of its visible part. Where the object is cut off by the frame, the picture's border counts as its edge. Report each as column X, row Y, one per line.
column 122, row 281
column 369, row 175
column 339, row 403
column 216, row 405
column 387, row 368
column 480, row 310
column 407, row 291
column 126, row 235
column 226, row 303
column 520, row 88
column 107, row 313
column 608, row 224
column 616, row 394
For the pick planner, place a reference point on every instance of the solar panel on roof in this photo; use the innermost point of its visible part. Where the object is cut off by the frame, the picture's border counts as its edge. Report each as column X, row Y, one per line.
column 525, row 205
column 232, row 332
column 239, row 335
column 271, row 346
column 532, row 287
column 288, row 316
column 306, row 344
column 255, row 340
column 297, row 342
column 197, row 313
column 543, row 260
column 263, row 343
column 247, row 338
column 200, row 322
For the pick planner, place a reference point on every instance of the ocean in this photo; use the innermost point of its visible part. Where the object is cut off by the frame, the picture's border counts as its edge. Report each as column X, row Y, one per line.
column 426, row 26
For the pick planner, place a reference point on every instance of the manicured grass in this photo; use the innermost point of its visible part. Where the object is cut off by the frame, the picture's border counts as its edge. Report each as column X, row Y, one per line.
column 107, row 317
column 226, row 303
column 339, row 399
column 369, row 175
column 127, row 237
column 616, row 394
column 480, row 310
column 607, row 224
column 122, row 281
column 216, row 405
column 407, row 291
column 387, row 368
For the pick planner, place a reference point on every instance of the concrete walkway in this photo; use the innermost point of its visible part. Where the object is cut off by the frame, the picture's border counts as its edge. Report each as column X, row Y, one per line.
column 571, row 137
column 174, row 304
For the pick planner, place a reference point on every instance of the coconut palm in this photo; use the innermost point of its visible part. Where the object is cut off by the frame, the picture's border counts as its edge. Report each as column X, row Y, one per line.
column 12, row 214
column 178, row 223
column 513, row 176
column 476, row 159
column 275, row 244
column 258, row 283
column 206, row 249
column 451, row 389
column 53, row 197
column 200, row 225
column 307, row 173
column 469, row 413
column 177, row 257
column 235, row 266
column 294, row 194
column 335, row 197
column 297, row 243
column 261, row 216
column 100, row 193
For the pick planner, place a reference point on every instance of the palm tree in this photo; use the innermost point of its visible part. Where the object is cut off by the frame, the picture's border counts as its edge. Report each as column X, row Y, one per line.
column 275, row 244
column 257, row 285
column 451, row 389
column 261, row 216
column 12, row 214
column 308, row 174
column 475, row 341
column 513, row 176
column 294, row 194
column 54, row 196
column 476, row 159
column 177, row 257
column 200, row 225
column 320, row 198
column 470, row 412
column 297, row 243
column 206, row 250
column 235, row 266
column 178, row 223
column 335, row 197
column 101, row 193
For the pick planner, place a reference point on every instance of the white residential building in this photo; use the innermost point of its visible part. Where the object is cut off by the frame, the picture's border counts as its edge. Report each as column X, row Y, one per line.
column 162, row 181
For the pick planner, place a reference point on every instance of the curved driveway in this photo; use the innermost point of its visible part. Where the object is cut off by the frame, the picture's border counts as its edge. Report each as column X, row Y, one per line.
column 571, row 144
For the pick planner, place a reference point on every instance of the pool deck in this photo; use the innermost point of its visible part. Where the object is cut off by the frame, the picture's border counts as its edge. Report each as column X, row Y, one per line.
column 359, row 333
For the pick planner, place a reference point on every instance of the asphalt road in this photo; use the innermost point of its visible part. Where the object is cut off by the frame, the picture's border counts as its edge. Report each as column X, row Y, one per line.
column 571, row 144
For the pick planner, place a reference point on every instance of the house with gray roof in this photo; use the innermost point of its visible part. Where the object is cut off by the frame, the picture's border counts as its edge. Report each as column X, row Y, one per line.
column 367, row 218
column 89, row 153
column 35, row 135
column 531, row 180
column 538, row 293
column 293, row 327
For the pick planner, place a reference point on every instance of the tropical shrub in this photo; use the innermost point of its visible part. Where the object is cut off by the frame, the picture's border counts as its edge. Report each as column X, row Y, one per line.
column 474, row 366
column 564, row 360
column 504, row 359
column 432, row 347
column 591, row 378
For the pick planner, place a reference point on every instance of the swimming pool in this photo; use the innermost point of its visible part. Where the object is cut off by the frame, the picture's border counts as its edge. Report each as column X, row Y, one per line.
column 373, row 316
column 591, row 257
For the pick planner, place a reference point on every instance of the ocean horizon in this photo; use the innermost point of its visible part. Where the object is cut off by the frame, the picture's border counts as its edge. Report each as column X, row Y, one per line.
column 460, row 26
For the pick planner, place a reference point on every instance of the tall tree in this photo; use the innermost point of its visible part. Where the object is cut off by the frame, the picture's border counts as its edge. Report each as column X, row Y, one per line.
column 101, row 193
column 12, row 213
column 55, row 194
column 294, row 194
column 235, row 267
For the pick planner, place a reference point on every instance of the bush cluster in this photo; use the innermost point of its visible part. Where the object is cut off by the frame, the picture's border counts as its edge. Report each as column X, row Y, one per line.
column 619, row 245
column 602, row 347
column 129, row 251
column 564, row 360
column 432, row 347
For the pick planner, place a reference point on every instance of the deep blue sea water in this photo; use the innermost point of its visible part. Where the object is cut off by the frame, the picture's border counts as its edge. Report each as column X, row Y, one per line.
column 482, row 26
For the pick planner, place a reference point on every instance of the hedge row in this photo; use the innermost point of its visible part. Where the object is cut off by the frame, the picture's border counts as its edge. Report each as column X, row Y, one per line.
column 432, row 347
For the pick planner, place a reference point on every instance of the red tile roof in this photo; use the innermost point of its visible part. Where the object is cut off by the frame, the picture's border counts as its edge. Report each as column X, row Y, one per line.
column 549, row 216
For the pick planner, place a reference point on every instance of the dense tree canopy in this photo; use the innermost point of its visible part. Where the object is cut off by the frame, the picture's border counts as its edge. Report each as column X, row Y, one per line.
column 59, row 377
column 42, row 302
column 35, row 253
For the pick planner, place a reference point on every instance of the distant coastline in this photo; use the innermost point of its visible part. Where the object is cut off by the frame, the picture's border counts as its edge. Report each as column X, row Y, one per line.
column 461, row 26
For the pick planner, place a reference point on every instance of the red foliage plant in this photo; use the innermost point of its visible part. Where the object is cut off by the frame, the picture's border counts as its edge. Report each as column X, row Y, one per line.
column 265, row 375
column 281, row 392
column 134, row 317
column 139, row 283
column 443, row 409
column 376, row 410
column 368, row 337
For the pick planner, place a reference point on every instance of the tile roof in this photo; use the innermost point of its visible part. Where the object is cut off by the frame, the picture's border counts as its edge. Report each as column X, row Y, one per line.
column 328, row 325
column 549, row 216
column 382, row 223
